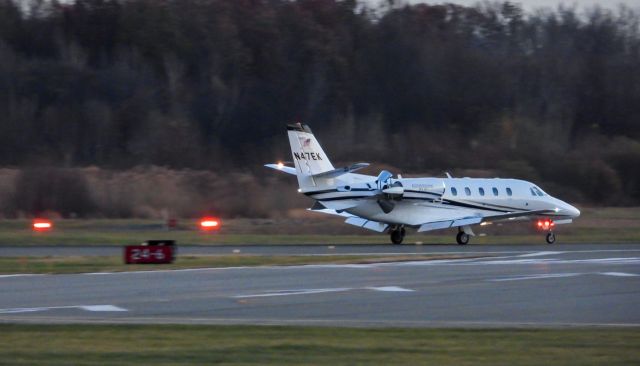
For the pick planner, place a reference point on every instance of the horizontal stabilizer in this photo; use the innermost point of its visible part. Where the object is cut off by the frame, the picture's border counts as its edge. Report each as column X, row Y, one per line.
column 367, row 224
column 331, row 212
column 282, row 168
column 341, row 171
column 317, row 206
column 340, row 205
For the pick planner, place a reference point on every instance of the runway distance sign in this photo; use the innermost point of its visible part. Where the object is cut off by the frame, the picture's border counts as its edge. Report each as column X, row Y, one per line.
column 148, row 254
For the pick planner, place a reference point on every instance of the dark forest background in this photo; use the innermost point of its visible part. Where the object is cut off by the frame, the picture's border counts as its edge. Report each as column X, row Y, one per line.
column 98, row 93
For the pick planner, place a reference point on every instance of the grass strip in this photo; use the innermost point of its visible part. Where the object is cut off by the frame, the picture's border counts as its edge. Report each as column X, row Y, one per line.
column 276, row 345
column 595, row 225
column 84, row 264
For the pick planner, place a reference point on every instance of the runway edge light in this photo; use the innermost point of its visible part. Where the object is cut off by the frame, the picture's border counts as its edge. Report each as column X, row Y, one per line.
column 40, row 225
column 209, row 224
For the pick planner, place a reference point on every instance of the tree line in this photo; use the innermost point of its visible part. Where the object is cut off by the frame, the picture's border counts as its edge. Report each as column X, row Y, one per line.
column 551, row 95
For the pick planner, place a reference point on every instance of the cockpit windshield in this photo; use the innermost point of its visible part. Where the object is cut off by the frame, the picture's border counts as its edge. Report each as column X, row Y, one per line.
column 535, row 191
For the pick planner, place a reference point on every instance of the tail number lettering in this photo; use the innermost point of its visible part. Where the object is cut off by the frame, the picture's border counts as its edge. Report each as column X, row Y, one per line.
column 307, row 156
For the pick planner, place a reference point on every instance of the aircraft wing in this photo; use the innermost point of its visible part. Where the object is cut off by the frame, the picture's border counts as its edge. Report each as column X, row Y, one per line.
column 473, row 220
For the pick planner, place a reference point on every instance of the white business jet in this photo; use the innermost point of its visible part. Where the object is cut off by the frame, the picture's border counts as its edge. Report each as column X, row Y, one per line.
column 387, row 204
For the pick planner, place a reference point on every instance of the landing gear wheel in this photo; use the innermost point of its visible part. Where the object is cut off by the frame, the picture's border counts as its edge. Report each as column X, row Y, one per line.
column 462, row 238
column 551, row 238
column 397, row 236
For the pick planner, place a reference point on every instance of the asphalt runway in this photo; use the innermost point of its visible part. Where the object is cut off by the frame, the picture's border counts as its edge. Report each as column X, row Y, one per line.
column 314, row 249
column 518, row 286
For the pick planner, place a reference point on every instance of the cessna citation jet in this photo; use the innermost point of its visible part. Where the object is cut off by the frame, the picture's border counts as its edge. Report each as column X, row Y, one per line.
column 387, row 204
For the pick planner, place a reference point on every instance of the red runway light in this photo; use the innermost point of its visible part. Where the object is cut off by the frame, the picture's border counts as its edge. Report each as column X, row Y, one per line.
column 42, row 225
column 209, row 223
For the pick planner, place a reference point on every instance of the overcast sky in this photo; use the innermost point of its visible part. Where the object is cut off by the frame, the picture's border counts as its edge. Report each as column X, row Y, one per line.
column 532, row 4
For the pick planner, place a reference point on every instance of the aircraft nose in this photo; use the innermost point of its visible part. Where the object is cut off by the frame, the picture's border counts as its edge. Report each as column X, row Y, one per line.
column 572, row 211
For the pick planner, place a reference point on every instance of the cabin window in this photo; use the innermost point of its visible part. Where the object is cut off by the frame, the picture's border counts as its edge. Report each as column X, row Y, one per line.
column 467, row 191
column 509, row 192
column 533, row 193
column 495, row 191
column 454, row 191
column 481, row 191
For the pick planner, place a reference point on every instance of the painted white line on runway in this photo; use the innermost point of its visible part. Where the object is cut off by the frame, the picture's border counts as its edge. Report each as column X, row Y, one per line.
column 539, row 254
column 106, row 308
column 21, row 275
column 322, row 290
column 623, row 260
column 562, row 275
column 620, row 274
column 390, row 289
column 101, row 308
column 294, row 292
column 536, row 277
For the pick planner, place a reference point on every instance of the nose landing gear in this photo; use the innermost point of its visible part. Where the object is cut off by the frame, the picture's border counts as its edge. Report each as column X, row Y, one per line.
column 551, row 237
column 547, row 225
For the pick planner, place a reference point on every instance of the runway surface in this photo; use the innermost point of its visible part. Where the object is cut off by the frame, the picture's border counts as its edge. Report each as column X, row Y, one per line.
column 518, row 286
column 314, row 249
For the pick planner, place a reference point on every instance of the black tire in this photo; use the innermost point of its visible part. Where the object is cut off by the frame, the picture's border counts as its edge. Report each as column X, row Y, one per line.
column 462, row 238
column 397, row 236
column 550, row 238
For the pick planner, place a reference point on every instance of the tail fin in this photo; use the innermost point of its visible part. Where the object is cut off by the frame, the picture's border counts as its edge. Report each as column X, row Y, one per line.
column 308, row 156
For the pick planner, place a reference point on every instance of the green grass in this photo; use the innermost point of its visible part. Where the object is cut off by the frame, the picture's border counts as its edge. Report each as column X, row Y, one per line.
column 79, row 264
column 272, row 345
column 596, row 225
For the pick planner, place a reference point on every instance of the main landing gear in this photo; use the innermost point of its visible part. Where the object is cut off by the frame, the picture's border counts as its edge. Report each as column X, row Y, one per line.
column 397, row 235
column 462, row 238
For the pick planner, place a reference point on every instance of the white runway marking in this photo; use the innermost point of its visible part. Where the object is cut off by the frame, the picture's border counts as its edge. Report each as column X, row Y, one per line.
column 536, row 277
column 609, row 261
column 294, row 292
column 322, row 290
column 562, row 275
column 108, row 308
column 390, row 289
column 20, row 275
column 102, row 308
column 620, row 274
column 539, row 254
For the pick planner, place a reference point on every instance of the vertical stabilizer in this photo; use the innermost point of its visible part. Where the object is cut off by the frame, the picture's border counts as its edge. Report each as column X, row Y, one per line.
column 308, row 156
